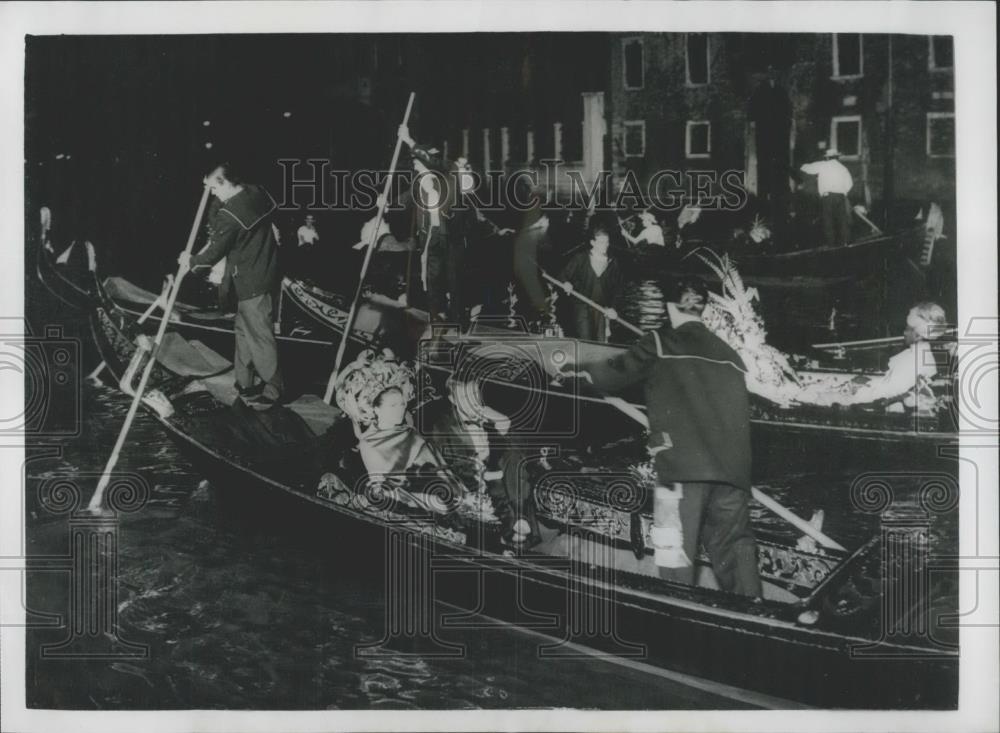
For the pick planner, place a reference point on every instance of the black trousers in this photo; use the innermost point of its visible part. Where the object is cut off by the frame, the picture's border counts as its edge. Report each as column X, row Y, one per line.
column 445, row 273
column 718, row 516
column 835, row 222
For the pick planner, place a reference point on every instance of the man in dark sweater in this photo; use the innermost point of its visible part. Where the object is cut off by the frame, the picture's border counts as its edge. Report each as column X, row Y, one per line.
column 699, row 421
column 242, row 232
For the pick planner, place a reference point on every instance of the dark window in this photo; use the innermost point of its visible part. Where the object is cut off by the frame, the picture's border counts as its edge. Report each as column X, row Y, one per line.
column 697, row 58
column 635, row 139
column 699, row 140
column 847, row 54
column 632, row 52
column 942, row 52
column 941, row 135
column 846, row 136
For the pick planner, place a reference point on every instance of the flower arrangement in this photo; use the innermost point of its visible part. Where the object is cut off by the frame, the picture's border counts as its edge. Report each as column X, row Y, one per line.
column 733, row 317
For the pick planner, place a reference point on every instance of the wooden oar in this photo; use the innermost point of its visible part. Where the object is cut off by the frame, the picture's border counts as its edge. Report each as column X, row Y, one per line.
column 888, row 340
column 368, row 256
column 630, row 326
column 633, row 412
column 97, row 500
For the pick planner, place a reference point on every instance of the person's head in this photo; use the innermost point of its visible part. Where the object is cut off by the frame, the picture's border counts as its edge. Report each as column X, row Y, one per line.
column 648, row 218
column 831, row 154
column 426, row 159
column 310, row 220
column 689, row 294
column 224, row 181
column 600, row 240
column 390, row 408
column 466, row 179
column 925, row 321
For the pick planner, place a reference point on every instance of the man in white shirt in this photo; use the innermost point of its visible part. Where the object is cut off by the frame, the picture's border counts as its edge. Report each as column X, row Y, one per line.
column 307, row 232
column 834, row 183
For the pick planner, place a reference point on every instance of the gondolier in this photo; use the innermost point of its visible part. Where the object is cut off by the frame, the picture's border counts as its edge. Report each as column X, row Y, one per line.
column 699, row 419
column 834, row 182
column 241, row 232
column 597, row 276
column 429, row 199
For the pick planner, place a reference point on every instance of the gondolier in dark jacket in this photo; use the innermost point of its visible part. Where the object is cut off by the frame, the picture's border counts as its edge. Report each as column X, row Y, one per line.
column 429, row 199
column 241, row 232
column 699, row 421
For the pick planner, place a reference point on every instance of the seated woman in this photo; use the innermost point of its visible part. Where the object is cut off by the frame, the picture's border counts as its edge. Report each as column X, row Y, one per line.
column 472, row 436
column 907, row 380
column 374, row 392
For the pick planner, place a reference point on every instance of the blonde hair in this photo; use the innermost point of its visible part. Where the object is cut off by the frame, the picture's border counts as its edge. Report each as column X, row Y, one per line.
column 933, row 317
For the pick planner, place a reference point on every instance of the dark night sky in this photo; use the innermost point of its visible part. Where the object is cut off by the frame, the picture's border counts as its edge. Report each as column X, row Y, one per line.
column 129, row 110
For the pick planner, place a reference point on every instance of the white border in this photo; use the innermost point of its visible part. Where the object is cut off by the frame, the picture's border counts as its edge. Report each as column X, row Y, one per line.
column 972, row 24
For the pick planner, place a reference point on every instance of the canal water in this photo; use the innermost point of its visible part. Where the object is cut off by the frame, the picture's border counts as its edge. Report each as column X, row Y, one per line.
column 247, row 613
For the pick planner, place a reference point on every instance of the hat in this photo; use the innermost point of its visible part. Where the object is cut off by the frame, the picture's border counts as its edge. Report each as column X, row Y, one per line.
column 368, row 376
column 832, row 153
column 429, row 156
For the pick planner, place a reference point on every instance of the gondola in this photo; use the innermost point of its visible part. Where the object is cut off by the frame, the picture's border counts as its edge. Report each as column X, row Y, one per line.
column 815, row 639
column 309, row 319
column 857, row 259
column 312, row 319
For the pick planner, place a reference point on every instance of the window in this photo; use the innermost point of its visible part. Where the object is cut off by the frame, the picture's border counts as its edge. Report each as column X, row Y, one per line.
column 698, row 139
column 942, row 53
column 635, row 139
column 632, row 62
column 941, row 134
column 697, row 59
column 847, row 62
column 845, row 136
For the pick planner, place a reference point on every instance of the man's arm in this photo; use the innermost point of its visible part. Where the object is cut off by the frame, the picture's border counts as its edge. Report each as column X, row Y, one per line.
column 224, row 231
column 811, row 168
column 901, row 377
column 621, row 371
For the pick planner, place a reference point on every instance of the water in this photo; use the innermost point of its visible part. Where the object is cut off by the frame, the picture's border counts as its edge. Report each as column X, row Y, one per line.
column 243, row 612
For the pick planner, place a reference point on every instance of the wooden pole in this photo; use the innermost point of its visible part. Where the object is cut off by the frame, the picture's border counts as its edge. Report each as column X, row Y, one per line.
column 630, row 326
column 352, row 314
column 97, row 500
column 803, row 526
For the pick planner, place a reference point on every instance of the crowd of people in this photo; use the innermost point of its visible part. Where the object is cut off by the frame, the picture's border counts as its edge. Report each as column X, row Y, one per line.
column 694, row 382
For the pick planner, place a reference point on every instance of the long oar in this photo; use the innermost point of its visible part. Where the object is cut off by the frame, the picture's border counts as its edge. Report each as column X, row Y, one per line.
column 630, row 326
column 97, row 500
column 368, row 256
column 633, row 412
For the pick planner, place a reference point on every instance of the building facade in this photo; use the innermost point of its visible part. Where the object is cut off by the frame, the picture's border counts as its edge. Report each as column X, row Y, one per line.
column 764, row 104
